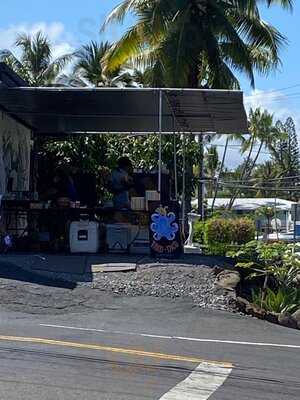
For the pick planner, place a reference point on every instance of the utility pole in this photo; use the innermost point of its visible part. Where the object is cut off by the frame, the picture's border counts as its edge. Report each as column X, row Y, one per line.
column 160, row 141
column 201, row 178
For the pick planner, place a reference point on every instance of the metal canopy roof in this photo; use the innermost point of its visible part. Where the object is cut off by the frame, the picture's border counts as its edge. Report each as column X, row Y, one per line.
column 64, row 111
column 8, row 78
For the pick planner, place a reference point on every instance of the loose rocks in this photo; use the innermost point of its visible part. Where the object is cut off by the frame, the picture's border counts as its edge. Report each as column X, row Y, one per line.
column 173, row 281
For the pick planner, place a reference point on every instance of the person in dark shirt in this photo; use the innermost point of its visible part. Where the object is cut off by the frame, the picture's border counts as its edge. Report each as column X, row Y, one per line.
column 62, row 186
column 121, row 182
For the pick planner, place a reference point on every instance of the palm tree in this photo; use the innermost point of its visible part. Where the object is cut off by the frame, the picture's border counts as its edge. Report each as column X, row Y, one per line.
column 194, row 43
column 220, row 173
column 266, row 175
column 263, row 133
column 36, row 64
column 88, row 70
column 212, row 165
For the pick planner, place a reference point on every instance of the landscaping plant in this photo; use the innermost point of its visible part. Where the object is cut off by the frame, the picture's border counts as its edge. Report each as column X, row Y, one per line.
column 279, row 264
column 219, row 234
column 283, row 300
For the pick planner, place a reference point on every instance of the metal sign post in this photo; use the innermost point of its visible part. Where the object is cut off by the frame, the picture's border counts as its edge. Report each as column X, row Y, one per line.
column 160, row 142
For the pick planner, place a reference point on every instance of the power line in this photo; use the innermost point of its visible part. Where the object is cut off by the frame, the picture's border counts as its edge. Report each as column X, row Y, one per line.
column 275, row 90
column 272, row 189
column 257, row 179
column 237, row 147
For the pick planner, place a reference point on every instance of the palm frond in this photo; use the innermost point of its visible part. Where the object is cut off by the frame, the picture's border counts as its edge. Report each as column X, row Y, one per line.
column 119, row 13
column 258, row 33
column 287, row 4
column 53, row 70
column 128, row 47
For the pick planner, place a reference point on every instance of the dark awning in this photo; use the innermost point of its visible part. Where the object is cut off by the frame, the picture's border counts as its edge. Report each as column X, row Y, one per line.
column 64, row 111
column 8, row 78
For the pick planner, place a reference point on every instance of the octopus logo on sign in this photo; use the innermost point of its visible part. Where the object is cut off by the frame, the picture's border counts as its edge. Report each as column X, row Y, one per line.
column 163, row 225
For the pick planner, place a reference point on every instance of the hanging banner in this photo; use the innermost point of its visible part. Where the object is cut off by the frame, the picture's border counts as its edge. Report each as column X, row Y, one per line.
column 165, row 235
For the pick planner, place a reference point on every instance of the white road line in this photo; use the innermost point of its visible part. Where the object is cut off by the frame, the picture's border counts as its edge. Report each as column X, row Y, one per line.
column 190, row 339
column 200, row 384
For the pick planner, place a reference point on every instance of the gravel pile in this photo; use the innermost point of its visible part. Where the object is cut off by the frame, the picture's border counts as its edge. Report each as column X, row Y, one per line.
column 172, row 281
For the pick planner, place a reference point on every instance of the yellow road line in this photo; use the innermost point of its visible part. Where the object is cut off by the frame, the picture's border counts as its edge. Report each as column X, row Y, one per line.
column 131, row 352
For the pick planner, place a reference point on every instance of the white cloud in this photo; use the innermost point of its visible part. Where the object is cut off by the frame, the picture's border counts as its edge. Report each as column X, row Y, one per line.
column 55, row 31
column 276, row 102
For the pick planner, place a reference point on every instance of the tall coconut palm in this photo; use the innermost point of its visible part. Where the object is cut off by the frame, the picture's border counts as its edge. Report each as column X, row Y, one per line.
column 88, row 70
column 196, row 43
column 263, row 133
column 266, row 175
column 36, row 64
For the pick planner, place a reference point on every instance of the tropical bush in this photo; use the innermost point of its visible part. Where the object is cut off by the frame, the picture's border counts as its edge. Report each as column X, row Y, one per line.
column 217, row 235
column 221, row 234
column 283, row 300
column 258, row 256
column 243, row 230
column 199, row 229
column 218, row 230
column 279, row 265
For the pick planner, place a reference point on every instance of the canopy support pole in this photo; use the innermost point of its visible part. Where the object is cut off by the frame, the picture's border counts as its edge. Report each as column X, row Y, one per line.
column 201, row 178
column 183, row 183
column 160, row 142
column 175, row 160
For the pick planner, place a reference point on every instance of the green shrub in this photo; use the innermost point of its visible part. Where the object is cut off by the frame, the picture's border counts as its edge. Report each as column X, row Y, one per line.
column 218, row 230
column 280, row 301
column 243, row 230
column 222, row 234
column 260, row 254
column 199, row 228
column 217, row 235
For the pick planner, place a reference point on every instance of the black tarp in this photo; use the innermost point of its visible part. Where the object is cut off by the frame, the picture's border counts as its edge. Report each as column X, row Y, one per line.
column 64, row 111
column 8, row 78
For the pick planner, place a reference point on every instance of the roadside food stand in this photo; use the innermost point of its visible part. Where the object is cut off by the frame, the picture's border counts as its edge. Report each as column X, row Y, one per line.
column 63, row 112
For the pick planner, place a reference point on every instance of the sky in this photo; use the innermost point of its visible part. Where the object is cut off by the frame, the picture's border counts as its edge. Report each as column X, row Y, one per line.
column 71, row 23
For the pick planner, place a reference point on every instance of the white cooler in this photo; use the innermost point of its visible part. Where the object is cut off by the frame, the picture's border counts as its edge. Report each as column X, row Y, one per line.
column 84, row 237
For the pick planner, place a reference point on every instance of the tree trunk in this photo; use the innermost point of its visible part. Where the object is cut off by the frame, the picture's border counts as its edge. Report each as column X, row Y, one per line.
column 220, row 172
column 193, row 79
column 192, row 83
column 249, row 174
column 236, row 193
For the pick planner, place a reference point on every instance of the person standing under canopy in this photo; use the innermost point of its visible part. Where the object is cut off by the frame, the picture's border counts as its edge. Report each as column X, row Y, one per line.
column 121, row 183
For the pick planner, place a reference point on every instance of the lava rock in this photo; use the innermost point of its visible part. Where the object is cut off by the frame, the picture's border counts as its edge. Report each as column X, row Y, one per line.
column 228, row 279
column 242, row 304
column 217, row 270
column 286, row 319
column 272, row 317
column 296, row 317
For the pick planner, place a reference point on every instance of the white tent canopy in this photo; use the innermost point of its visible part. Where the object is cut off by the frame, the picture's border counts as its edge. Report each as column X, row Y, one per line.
column 250, row 204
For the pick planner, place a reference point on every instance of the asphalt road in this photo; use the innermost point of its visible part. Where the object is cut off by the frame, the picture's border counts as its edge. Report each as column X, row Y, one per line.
column 139, row 348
